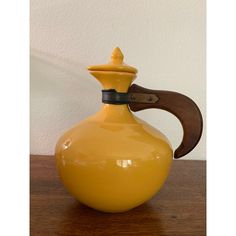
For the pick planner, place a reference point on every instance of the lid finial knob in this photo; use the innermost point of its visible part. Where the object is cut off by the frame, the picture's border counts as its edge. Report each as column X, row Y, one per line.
column 115, row 65
column 117, row 56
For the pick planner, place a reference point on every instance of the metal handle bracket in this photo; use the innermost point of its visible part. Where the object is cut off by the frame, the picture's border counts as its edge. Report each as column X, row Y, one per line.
column 111, row 96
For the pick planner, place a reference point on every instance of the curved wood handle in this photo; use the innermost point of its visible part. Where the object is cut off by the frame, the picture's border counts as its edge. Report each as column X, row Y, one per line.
column 182, row 107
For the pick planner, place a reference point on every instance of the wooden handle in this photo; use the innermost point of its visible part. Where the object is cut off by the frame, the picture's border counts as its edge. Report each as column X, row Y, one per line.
column 182, row 107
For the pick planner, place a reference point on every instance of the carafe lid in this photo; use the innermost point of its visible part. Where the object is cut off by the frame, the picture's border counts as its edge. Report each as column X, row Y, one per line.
column 116, row 64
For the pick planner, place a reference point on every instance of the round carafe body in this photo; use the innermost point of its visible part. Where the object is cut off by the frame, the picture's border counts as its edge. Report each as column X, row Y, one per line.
column 113, row 161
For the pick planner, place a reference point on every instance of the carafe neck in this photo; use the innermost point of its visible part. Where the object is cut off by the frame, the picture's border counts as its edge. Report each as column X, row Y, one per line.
column 120, row 81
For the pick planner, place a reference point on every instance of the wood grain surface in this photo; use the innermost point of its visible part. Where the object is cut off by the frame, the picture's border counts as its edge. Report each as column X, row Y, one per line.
column 183, row 107
column 177, row 210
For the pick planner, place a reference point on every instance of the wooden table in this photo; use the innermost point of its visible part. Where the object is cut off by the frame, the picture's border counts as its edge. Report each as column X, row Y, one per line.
column 178, row 209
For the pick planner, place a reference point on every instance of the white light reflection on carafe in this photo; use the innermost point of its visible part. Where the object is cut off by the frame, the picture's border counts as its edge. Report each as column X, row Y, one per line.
column 67, row 144
column 124, row 163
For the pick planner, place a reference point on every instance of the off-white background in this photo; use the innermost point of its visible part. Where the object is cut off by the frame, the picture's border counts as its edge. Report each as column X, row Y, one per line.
column 164, row 40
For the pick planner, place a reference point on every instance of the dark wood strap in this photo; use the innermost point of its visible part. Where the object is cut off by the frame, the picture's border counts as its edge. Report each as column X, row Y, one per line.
column 182, row 107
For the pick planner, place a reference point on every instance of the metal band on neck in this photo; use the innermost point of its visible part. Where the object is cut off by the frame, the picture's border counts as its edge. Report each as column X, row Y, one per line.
column 110, row 96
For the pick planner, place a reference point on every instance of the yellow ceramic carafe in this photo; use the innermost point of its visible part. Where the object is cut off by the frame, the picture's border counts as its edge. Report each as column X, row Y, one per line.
column 114, row 161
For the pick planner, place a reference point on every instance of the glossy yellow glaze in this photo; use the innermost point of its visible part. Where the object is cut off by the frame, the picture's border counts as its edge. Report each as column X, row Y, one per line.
column 113, row 161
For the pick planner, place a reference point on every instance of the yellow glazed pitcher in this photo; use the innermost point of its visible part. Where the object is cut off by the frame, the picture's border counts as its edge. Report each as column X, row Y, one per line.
column 113, row 161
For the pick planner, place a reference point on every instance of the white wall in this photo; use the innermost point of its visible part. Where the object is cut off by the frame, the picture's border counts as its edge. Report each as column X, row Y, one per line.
column 165, row 40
